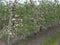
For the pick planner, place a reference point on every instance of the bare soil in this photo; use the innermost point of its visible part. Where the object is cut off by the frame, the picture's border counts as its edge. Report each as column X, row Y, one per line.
column 49, row 33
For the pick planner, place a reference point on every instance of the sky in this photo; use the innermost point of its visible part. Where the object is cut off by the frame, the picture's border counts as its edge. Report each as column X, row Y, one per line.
column 22, row 1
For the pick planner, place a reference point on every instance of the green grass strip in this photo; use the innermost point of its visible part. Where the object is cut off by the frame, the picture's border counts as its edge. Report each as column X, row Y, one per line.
column 51, row 40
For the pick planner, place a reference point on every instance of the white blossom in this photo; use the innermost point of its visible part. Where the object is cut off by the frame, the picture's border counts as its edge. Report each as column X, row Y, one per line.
column 13, row 19
column 21, row 20
column 17, row 25
column 10, row 33
column 16, row 15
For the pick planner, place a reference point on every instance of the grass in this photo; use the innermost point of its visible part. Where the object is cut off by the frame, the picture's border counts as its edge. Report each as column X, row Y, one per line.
column 51, row 40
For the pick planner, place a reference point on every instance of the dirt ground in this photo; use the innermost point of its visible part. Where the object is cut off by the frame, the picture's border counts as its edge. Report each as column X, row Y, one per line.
column 38, row 40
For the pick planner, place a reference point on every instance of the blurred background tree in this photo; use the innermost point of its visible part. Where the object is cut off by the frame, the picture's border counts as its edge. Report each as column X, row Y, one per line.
column 21, row 19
